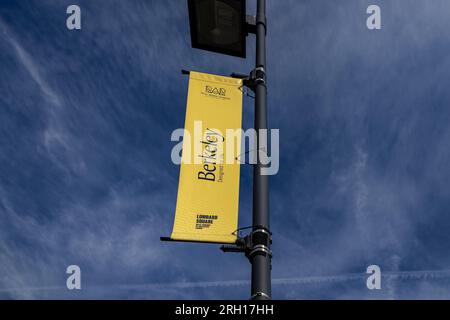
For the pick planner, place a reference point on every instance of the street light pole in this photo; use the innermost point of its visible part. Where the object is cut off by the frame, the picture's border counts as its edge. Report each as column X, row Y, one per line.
column 222, row 26
column 261, row 260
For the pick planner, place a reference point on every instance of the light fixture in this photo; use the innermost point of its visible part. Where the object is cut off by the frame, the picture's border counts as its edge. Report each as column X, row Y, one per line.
column 219, row 26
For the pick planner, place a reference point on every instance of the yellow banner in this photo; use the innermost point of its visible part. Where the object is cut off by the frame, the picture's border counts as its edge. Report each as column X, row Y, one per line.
column 208, row 191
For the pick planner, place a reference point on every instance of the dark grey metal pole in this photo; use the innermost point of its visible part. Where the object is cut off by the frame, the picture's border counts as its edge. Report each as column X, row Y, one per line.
column 261, row 258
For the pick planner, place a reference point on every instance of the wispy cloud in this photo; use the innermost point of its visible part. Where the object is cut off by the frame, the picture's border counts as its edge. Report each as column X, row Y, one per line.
column 27, row 61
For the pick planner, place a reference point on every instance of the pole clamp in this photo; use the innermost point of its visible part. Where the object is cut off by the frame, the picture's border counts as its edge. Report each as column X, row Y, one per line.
column 252, row 23
column 257, row 77
column 260, row 294
column 261, row 19
column 259, row 249
column 257, row 242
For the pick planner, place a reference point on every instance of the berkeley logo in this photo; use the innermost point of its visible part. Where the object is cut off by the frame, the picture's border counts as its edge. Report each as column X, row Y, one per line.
column 216, row 91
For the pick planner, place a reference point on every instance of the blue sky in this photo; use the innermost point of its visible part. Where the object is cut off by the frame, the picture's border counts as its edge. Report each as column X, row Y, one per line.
column 86, row 176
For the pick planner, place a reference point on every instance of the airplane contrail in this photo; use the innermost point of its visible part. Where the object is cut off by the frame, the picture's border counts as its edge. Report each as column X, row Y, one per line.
column 400, row 275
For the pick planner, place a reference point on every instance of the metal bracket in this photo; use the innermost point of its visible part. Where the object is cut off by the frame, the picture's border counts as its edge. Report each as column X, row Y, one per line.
column 251, row 24
column 256, row 243
column 253, row 21
column 257, row 77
